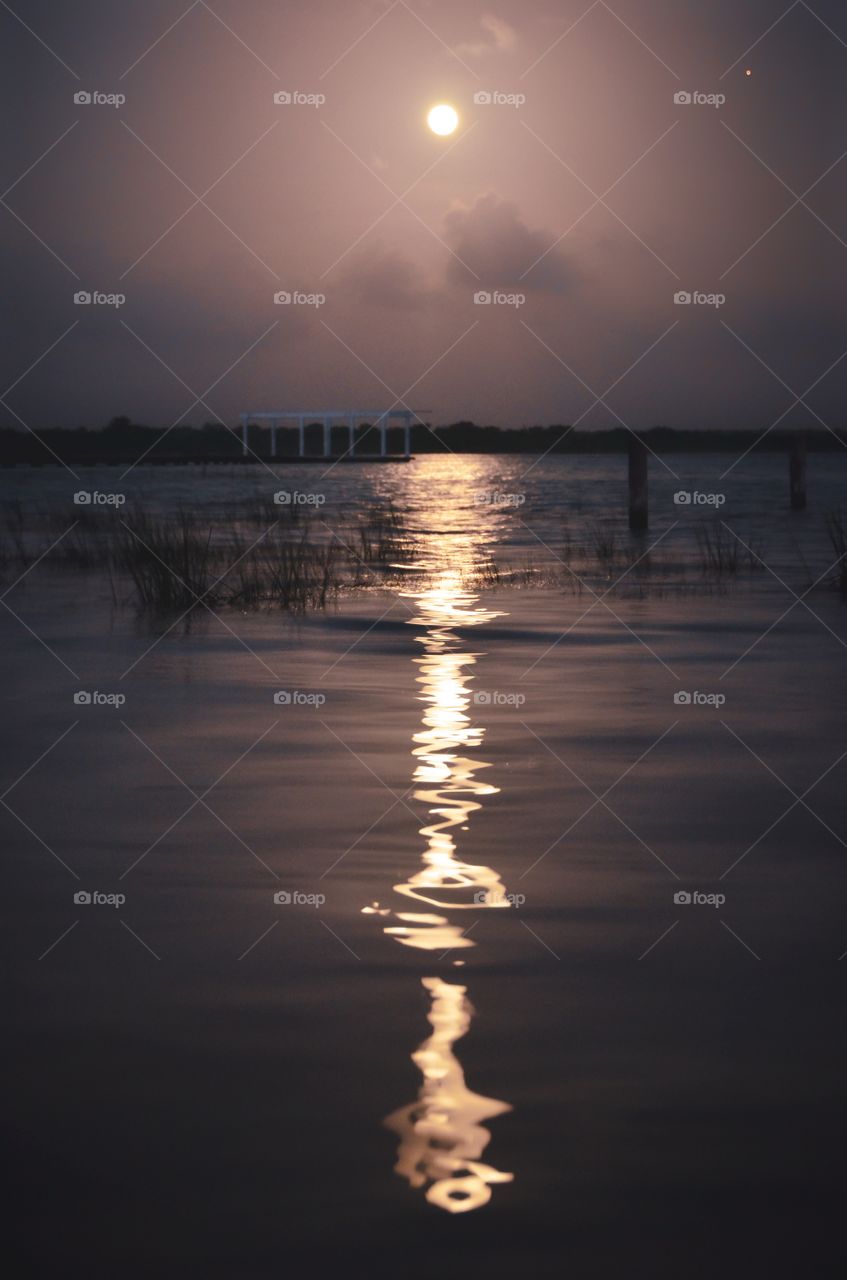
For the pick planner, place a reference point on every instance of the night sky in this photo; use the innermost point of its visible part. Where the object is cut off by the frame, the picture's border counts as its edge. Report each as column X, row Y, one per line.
column 598, row 199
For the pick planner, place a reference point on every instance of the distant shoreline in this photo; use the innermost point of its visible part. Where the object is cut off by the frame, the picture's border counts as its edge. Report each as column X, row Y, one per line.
column 123, row 442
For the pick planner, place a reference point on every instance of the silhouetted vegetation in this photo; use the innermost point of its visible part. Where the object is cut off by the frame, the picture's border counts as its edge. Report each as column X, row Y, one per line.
column 257, row 554
column 124, row 442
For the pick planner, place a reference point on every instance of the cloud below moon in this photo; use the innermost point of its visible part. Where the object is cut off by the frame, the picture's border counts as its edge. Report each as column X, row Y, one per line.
column 491, row 239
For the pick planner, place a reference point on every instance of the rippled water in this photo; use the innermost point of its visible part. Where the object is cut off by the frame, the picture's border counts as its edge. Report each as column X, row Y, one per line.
column 499, row 997
column 442, row 1136
column 518, row 510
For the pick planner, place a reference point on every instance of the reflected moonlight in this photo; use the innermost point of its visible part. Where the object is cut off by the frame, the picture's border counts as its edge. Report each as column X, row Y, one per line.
column 442, row 1135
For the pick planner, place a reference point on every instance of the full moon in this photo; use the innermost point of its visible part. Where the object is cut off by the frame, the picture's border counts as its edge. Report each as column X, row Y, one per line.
column 442, row 119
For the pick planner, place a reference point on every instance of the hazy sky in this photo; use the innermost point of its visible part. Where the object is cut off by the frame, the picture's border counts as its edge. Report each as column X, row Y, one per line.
column 304, row 197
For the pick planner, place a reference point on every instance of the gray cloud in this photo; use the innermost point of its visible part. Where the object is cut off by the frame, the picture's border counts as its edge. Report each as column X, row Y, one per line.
column 493, row 241
column 385, row 278
column 499, row 37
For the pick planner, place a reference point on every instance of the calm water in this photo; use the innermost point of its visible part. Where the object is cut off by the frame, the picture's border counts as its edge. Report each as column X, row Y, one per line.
column 478, row 1025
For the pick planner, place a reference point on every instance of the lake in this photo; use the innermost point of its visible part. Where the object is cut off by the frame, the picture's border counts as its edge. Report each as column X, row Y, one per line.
column 489, row 917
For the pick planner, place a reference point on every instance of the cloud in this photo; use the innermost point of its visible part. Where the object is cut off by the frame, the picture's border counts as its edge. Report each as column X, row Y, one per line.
column 492, row 240
column 381, row 277
column 499, row 38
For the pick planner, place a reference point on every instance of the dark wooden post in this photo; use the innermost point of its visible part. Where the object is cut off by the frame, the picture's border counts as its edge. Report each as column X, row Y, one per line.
column 638, row 516
column 797, row 471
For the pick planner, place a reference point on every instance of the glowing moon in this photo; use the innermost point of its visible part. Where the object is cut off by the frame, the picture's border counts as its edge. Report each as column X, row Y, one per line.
column 442, row 119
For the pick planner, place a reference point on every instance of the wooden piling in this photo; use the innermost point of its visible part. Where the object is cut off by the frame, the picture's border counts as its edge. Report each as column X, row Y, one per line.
column 797, row 471
column 638, row 496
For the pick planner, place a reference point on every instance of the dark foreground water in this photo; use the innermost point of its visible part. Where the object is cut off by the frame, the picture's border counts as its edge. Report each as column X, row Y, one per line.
column 476, row 948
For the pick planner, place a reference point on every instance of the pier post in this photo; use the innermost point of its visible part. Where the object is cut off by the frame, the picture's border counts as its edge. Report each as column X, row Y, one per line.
column 302, row 432
column 638, row 495
column 244, row 435
column 797, row 471
column 351, row 430
column 273, row 437
column 407, row 435
column 383, row 424
column 327, row 436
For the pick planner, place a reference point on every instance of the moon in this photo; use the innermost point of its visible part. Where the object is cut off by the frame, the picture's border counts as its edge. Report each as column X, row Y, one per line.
column 443, row 119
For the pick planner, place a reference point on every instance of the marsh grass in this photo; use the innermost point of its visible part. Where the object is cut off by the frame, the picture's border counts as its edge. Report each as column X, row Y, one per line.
column 258, row 554
column 382, row 535
column 721, row 554
column 646, row 565
column 178, row 564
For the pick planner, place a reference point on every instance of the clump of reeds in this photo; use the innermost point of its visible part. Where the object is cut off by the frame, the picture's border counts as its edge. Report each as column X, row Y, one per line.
column 722, row 554
column 276, row 571
column 604, row 545
column 382, row 535
column 179, row 564
column 169, row 562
